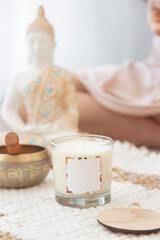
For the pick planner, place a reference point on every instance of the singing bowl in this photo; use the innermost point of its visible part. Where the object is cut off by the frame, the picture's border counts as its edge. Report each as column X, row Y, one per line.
column 27, row 169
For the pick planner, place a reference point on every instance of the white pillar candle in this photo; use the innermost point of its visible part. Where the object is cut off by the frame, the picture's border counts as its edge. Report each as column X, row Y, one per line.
column 82, row 168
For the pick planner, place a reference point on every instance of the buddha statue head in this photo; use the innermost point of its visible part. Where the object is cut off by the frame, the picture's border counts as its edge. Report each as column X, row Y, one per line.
column 40, row 38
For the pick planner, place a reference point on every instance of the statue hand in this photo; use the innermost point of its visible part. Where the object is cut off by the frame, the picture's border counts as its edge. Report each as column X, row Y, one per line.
column 28, row 128
column 36, row 129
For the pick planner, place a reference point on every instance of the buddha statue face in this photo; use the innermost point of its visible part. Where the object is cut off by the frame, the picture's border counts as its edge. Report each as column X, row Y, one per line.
column 40, row 38
column 40, row 46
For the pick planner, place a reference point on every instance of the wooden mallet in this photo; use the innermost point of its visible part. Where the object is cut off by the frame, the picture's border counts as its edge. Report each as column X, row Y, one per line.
column 12, row 143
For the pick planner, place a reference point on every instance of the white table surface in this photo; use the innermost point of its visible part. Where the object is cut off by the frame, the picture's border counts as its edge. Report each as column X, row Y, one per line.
column 33, row 214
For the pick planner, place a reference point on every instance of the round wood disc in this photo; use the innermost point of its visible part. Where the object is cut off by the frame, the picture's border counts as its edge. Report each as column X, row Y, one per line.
column 130, row 220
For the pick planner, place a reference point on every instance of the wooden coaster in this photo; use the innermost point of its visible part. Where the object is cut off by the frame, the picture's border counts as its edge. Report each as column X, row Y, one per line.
column 130, row 220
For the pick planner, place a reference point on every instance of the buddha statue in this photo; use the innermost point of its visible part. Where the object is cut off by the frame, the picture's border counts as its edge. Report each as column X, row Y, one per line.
column 41, row 103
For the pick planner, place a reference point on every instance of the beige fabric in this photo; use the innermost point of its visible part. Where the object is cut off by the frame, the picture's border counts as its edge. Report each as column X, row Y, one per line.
column 49, row 96
column 131, row 88
column 33, row 214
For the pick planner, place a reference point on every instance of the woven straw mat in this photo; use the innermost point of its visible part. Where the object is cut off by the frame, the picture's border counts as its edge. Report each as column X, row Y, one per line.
column 33, row 214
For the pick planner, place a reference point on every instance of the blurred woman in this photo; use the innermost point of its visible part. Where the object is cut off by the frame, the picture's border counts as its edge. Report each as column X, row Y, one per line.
column 123, row 101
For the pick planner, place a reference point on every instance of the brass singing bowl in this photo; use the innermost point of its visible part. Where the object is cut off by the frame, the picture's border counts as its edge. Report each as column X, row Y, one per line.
column 27, row 169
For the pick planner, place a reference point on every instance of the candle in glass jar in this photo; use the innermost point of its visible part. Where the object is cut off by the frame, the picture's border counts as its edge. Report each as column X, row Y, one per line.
column 82, row 169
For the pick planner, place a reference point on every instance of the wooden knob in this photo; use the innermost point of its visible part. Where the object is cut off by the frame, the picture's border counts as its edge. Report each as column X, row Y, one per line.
column 12, row 143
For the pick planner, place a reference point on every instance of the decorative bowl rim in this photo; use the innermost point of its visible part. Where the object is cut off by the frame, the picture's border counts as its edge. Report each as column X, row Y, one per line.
column 25, row 157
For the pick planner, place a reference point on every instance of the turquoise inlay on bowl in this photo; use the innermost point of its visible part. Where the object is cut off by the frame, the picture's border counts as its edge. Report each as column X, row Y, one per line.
column 27, row 89
column 31, row 141
column 37, row 79
column 57, row 73
column 45, row 113
column 49, row 90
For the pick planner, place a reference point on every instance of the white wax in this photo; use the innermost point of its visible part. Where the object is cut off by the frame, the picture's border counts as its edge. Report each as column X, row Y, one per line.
column 81, row 149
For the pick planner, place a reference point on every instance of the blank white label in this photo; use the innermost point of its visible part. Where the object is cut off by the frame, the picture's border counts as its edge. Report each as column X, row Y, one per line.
column 83, row 175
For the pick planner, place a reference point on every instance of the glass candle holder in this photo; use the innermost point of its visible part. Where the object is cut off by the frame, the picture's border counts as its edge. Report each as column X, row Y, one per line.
column 82, row 166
